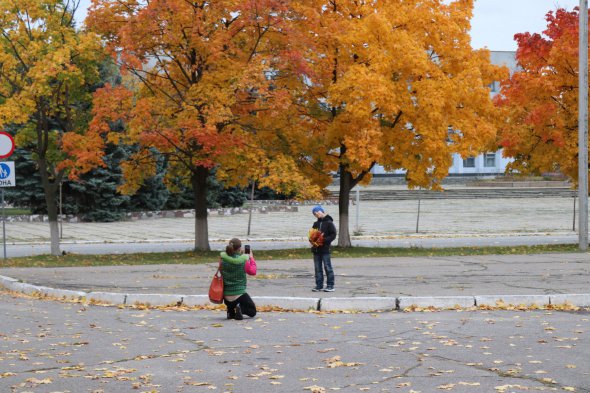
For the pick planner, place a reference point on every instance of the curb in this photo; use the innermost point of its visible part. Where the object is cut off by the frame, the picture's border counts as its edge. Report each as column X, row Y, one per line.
column 351, row 304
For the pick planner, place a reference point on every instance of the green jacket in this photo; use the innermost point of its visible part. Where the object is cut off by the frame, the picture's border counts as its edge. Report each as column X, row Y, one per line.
column 234, row 275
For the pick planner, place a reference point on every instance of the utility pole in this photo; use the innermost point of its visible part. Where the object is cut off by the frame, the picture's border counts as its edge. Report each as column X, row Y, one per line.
column 583, row 127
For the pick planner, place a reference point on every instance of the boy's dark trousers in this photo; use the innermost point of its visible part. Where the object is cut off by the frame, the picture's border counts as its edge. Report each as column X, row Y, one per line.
column 322, row 261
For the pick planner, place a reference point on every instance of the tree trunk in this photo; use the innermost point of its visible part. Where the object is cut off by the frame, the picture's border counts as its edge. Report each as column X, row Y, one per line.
column 199, row 182
column 49, row 189
column 54, row 232
column 343, row 204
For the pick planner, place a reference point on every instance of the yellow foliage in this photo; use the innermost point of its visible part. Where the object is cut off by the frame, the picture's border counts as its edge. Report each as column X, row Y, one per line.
column 48, row 67
column 386, row 80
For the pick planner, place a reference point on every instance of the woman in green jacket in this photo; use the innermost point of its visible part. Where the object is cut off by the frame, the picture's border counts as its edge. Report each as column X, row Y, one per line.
column 234, row 266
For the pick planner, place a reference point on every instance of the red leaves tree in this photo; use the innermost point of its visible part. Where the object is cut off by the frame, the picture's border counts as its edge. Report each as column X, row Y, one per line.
column 540, row 100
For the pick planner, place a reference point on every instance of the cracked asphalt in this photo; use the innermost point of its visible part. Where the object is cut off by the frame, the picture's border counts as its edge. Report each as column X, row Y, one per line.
column 48, row 346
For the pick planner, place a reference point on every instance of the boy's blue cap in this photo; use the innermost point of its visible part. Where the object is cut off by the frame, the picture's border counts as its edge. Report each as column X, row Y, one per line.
column 317, row 208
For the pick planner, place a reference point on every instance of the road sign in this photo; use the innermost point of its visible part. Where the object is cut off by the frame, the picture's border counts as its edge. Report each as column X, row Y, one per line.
column 7, row 178
column 6, row 144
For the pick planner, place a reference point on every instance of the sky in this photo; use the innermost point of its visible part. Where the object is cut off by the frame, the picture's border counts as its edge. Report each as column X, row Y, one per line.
column 494, row 22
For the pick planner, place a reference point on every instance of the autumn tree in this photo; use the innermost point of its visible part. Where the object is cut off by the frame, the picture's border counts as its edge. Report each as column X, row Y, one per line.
column 540, row 100
column 199, row 91
column 47, row 68
column 385, row 83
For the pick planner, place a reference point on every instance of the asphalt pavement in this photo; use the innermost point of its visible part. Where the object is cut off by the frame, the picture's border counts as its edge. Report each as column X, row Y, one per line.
column 365, row 284
column 62, row 347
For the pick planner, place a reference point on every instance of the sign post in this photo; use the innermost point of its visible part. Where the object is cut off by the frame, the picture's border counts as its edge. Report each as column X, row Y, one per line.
column 7, row 176
column 3, row 226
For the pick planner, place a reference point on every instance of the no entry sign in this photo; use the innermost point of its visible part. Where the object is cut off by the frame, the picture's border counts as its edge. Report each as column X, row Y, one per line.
column 6, row 144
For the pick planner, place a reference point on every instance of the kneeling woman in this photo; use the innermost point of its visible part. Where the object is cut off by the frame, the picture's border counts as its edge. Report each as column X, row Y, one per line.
column 234, row 266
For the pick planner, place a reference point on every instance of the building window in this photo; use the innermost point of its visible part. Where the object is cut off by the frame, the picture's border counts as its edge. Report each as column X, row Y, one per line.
column 490, row 160
column 469, row 162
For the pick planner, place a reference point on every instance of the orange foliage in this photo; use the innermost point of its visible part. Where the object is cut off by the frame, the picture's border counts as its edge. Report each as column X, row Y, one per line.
column 110, row 104
column 197, row 86
column 385, row 80
column 200, row 87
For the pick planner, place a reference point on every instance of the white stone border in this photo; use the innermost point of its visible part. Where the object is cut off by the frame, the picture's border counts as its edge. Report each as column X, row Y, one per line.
column 358, row 304
column 515, row 300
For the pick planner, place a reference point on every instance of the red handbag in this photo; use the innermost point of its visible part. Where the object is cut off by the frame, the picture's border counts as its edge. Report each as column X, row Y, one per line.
column 216, row 287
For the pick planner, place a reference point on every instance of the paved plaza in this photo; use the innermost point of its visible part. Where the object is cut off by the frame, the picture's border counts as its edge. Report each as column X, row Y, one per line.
column 368, row 219
column 367, row 344
column 384, row 277
column 62, row 347
column 391, row 280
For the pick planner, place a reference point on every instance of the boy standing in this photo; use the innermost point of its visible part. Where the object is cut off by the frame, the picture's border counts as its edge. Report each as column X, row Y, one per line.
column 323, row 232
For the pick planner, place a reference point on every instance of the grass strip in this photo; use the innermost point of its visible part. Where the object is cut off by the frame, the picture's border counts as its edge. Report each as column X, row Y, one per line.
column 196, row 257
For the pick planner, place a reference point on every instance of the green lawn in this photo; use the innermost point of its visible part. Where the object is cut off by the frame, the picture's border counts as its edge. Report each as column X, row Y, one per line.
column 211, row 256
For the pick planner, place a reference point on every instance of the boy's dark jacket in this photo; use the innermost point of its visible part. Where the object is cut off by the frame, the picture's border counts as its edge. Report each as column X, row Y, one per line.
column 327, row 227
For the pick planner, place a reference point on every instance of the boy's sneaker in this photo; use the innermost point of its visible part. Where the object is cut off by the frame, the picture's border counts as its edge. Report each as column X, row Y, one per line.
column 329, row 289
column 239, row 315
column 316, row 290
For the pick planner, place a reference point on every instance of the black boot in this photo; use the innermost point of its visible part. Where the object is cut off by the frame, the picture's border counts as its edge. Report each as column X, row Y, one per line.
column 231, row 309
column 238, row 313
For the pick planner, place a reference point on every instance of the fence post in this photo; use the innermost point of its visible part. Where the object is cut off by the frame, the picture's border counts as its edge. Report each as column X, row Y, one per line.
column 418, row 216
column 574, row 219
column 358, row 198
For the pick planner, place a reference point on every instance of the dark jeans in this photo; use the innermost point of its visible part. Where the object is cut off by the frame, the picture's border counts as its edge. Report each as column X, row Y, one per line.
column 323, row 262
column 246, row 304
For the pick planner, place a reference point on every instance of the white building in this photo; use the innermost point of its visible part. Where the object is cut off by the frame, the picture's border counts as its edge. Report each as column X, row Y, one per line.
column 488, row 164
